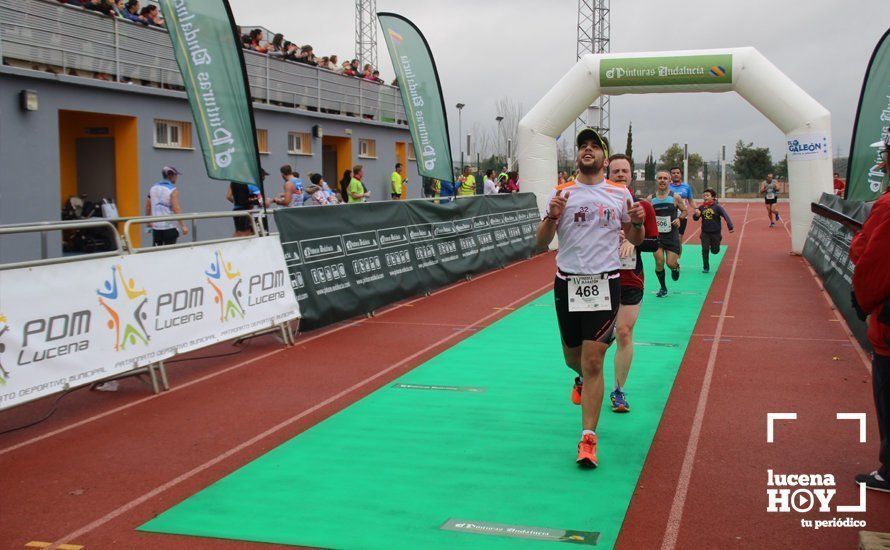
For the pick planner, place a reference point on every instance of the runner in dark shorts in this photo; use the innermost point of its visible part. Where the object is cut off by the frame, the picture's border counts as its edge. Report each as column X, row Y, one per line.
column 769, row 188
column 667, row 205
column 631, row 284
column 588, row 215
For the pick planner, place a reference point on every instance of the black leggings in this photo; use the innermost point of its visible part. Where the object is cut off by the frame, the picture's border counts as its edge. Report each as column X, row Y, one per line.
column 710, row 244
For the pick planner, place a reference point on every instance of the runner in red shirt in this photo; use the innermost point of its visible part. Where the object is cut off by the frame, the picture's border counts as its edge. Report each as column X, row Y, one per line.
column 620, row 173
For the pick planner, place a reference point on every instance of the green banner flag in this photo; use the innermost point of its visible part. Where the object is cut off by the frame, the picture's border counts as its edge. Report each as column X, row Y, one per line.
column 421, row 94
column 212, row 66
column 864, row 179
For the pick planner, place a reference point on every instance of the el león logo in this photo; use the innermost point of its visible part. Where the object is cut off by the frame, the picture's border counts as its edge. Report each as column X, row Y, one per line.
column 226, row 283
column 125, row 305
column 4, row 328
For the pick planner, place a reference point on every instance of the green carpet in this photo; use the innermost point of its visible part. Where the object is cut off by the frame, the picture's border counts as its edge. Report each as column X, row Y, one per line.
column 389, row 470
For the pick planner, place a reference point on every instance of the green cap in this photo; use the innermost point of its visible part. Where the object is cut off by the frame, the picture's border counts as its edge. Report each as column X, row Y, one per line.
column 588, row 134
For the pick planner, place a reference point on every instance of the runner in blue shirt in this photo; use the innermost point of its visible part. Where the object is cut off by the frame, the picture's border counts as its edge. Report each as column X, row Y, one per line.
column 684, row 191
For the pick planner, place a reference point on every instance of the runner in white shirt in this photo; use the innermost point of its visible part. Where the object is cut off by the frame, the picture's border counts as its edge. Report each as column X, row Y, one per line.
column 588, row 215
column 490, row 187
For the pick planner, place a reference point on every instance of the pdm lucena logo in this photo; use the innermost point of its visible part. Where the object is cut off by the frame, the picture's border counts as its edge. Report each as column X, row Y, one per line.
column 125, row 305
column 226, row 283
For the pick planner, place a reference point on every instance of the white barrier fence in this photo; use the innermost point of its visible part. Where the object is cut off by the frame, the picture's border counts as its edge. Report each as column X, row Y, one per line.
column 67, row 325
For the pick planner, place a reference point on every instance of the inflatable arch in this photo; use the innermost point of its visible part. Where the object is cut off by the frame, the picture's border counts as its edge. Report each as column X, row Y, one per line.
column 805, row 123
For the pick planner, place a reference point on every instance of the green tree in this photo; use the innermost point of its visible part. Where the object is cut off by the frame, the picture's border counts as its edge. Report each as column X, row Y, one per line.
column 751, row 162
column 629, row 149
column 782, row 169
column 649, row 168
column 674, row 157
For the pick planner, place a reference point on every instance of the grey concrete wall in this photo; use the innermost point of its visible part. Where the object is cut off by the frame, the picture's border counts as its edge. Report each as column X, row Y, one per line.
column 29, row 150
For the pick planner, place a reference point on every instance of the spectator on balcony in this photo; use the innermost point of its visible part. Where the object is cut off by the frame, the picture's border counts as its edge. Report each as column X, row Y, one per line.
column 355, row 68
column 366, row 73
column 335, row 63
column 375, row 77
column 276, row 47
column 131, row 12
column 307, row 56
column 153, row 15
column 325, row 63
column 291, row 51
column 102, row 6
column 347, row 69
column 257, row 43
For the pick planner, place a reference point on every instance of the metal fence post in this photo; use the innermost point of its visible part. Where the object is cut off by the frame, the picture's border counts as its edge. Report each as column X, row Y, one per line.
column 267, row 78
column 117, row 52
column 361, row 112
column 318, row 89
column 44, row 249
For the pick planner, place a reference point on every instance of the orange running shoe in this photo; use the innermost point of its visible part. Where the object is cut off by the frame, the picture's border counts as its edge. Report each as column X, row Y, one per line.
column 587, row 452
column 576, row 391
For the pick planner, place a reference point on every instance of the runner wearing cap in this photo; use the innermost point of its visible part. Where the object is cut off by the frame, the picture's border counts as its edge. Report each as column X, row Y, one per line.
column 666, row 204
column 163, row 200
column 631, row 256
column 588, row 216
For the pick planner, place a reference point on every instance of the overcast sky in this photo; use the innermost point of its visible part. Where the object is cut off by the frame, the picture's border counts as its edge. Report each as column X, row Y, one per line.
column 487, row 49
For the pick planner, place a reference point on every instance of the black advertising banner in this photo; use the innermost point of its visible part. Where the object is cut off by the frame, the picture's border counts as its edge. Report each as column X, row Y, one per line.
column 359, row 257
column 827, row 249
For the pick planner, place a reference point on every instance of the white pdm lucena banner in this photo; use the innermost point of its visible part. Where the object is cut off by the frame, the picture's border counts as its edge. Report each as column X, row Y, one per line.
column 66, row 325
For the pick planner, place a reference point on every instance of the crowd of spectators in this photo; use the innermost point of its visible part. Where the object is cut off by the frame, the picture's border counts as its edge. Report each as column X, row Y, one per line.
column 130, row 10
column 290, row 51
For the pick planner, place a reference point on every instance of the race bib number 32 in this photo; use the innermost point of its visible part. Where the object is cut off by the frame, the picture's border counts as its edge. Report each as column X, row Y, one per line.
column 589, row 293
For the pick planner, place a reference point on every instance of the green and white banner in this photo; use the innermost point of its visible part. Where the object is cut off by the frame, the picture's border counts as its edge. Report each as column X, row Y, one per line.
column 864, row 179
column 212, row 66
column 827, row 249
column 360, row 257
column 666, row 71
column 421, row 94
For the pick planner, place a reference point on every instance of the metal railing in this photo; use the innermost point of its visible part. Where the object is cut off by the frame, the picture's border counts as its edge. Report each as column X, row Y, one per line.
column 44, row 227
column 141, row 220
column 120, row 239
column 62, row 38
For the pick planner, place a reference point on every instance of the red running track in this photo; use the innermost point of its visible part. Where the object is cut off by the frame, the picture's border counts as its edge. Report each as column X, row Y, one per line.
column 781, row 348
column 107, row 462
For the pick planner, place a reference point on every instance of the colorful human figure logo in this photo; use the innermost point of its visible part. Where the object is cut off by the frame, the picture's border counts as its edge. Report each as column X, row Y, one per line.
column 125, row 305
column 226, row 284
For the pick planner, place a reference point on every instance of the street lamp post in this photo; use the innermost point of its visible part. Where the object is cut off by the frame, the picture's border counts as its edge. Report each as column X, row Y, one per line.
column 499, row 119
column 460, row 133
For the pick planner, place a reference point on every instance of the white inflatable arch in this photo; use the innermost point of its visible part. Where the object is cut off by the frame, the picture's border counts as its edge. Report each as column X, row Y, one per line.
column 806, row 123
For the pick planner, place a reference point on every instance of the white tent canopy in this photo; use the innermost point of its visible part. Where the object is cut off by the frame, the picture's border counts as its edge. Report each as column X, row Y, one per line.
column 805, row 123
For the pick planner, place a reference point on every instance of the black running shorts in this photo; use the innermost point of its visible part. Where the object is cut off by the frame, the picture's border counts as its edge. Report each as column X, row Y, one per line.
column 670, row 241
column 631, row 295
column 772, row 201
column 577, row 326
